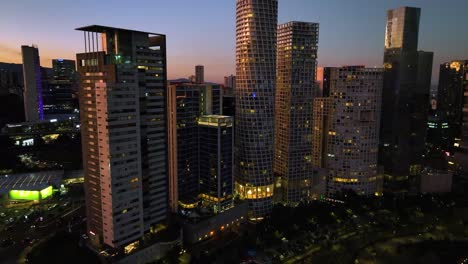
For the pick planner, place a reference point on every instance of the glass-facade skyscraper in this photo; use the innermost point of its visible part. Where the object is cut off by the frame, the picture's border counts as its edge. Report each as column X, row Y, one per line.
column 187, row 103
column 256, row 25
column 405, row 95
column 453, row 82
column 216, row 158
column 295, row 92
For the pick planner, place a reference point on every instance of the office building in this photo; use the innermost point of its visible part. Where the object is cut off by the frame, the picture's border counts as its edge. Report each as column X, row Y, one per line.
column 405, row 95
column 216, row 149
column 64, row 70
column 295, row 90
column 460, row 159
column 346, row 129
column 229, row 104
column 199, row 74
column 438, row 132
column 11, row 79
column 229, row 84
column 32, row 95
column 60, row 101
column 124, row 139
column 256, row 26
column 187, row 103
column 453, row 82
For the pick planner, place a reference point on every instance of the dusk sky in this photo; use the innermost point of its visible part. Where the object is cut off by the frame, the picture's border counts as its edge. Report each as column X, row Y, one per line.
column 202, row 31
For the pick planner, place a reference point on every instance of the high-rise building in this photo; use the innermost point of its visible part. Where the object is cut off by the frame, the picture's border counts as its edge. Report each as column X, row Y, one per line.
column 230, row 83
column 123, row 128
column 256, row 26
column 346, row 129
column 453, row 82
column 64, row 70
column 200, row 74
column 438, row 136
column 187, row 103
column 32, row 95
column 216, row 149
column 229, row 99
column 295, row 90
column 405, row 95
column 11, row 79
column 60, row 101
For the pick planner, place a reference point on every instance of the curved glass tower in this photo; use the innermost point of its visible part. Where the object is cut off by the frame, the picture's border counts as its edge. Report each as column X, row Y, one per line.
column 255, row 95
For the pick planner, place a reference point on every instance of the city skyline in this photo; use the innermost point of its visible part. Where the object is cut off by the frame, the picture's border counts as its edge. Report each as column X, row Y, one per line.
column 352, row 33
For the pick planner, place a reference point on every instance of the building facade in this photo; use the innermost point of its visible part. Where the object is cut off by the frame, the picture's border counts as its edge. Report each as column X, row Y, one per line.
column 60, row 100
column 346, row 129
column 123, row 126
column 64, row 70
column 32, row 95
column 229, row 84
column 405, row 95
column 11, row 79
column 199, row 74
column 256, row 25
column 295, row 90
column 216, row 149
column 453, row 82
column 187, row 103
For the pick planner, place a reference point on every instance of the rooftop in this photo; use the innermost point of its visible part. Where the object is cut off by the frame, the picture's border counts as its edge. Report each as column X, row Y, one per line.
column 34, row 181
column 103, row 29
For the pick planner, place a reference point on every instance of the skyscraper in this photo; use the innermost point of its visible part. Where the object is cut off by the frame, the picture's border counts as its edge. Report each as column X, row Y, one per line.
column 255, row 94
column 216, row 137
column 295, row 90
column 11, row 79
column 453, row 82
column 405, row 95
column 200, row 74
column 123, row 124
column 59, row 98
column 32, row 95
column 346, row 129
column 230, row 82
column 64, row 70
column 187, row 103
column 458, row 70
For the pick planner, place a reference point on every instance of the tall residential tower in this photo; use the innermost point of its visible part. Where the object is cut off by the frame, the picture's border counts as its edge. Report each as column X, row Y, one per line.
column 200, row 74
column 295, row 90
column 256, row 25
column 346, row 129
column 33, row 103
column 123, row 128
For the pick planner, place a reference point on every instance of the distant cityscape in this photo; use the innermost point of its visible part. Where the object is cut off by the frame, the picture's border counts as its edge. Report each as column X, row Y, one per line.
column 106, row 160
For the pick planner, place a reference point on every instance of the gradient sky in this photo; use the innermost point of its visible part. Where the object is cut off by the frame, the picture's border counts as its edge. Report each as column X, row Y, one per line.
column 202, row 31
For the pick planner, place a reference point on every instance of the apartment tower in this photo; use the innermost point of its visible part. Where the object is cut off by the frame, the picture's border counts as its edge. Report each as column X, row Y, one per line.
column 32, row 94
column 295, row 90
column 200, row 74
column 256, row 25
column 346, row 129
column 123, row 127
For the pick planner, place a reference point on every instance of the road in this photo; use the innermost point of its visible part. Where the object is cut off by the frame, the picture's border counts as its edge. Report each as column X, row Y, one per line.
column 60, row 218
